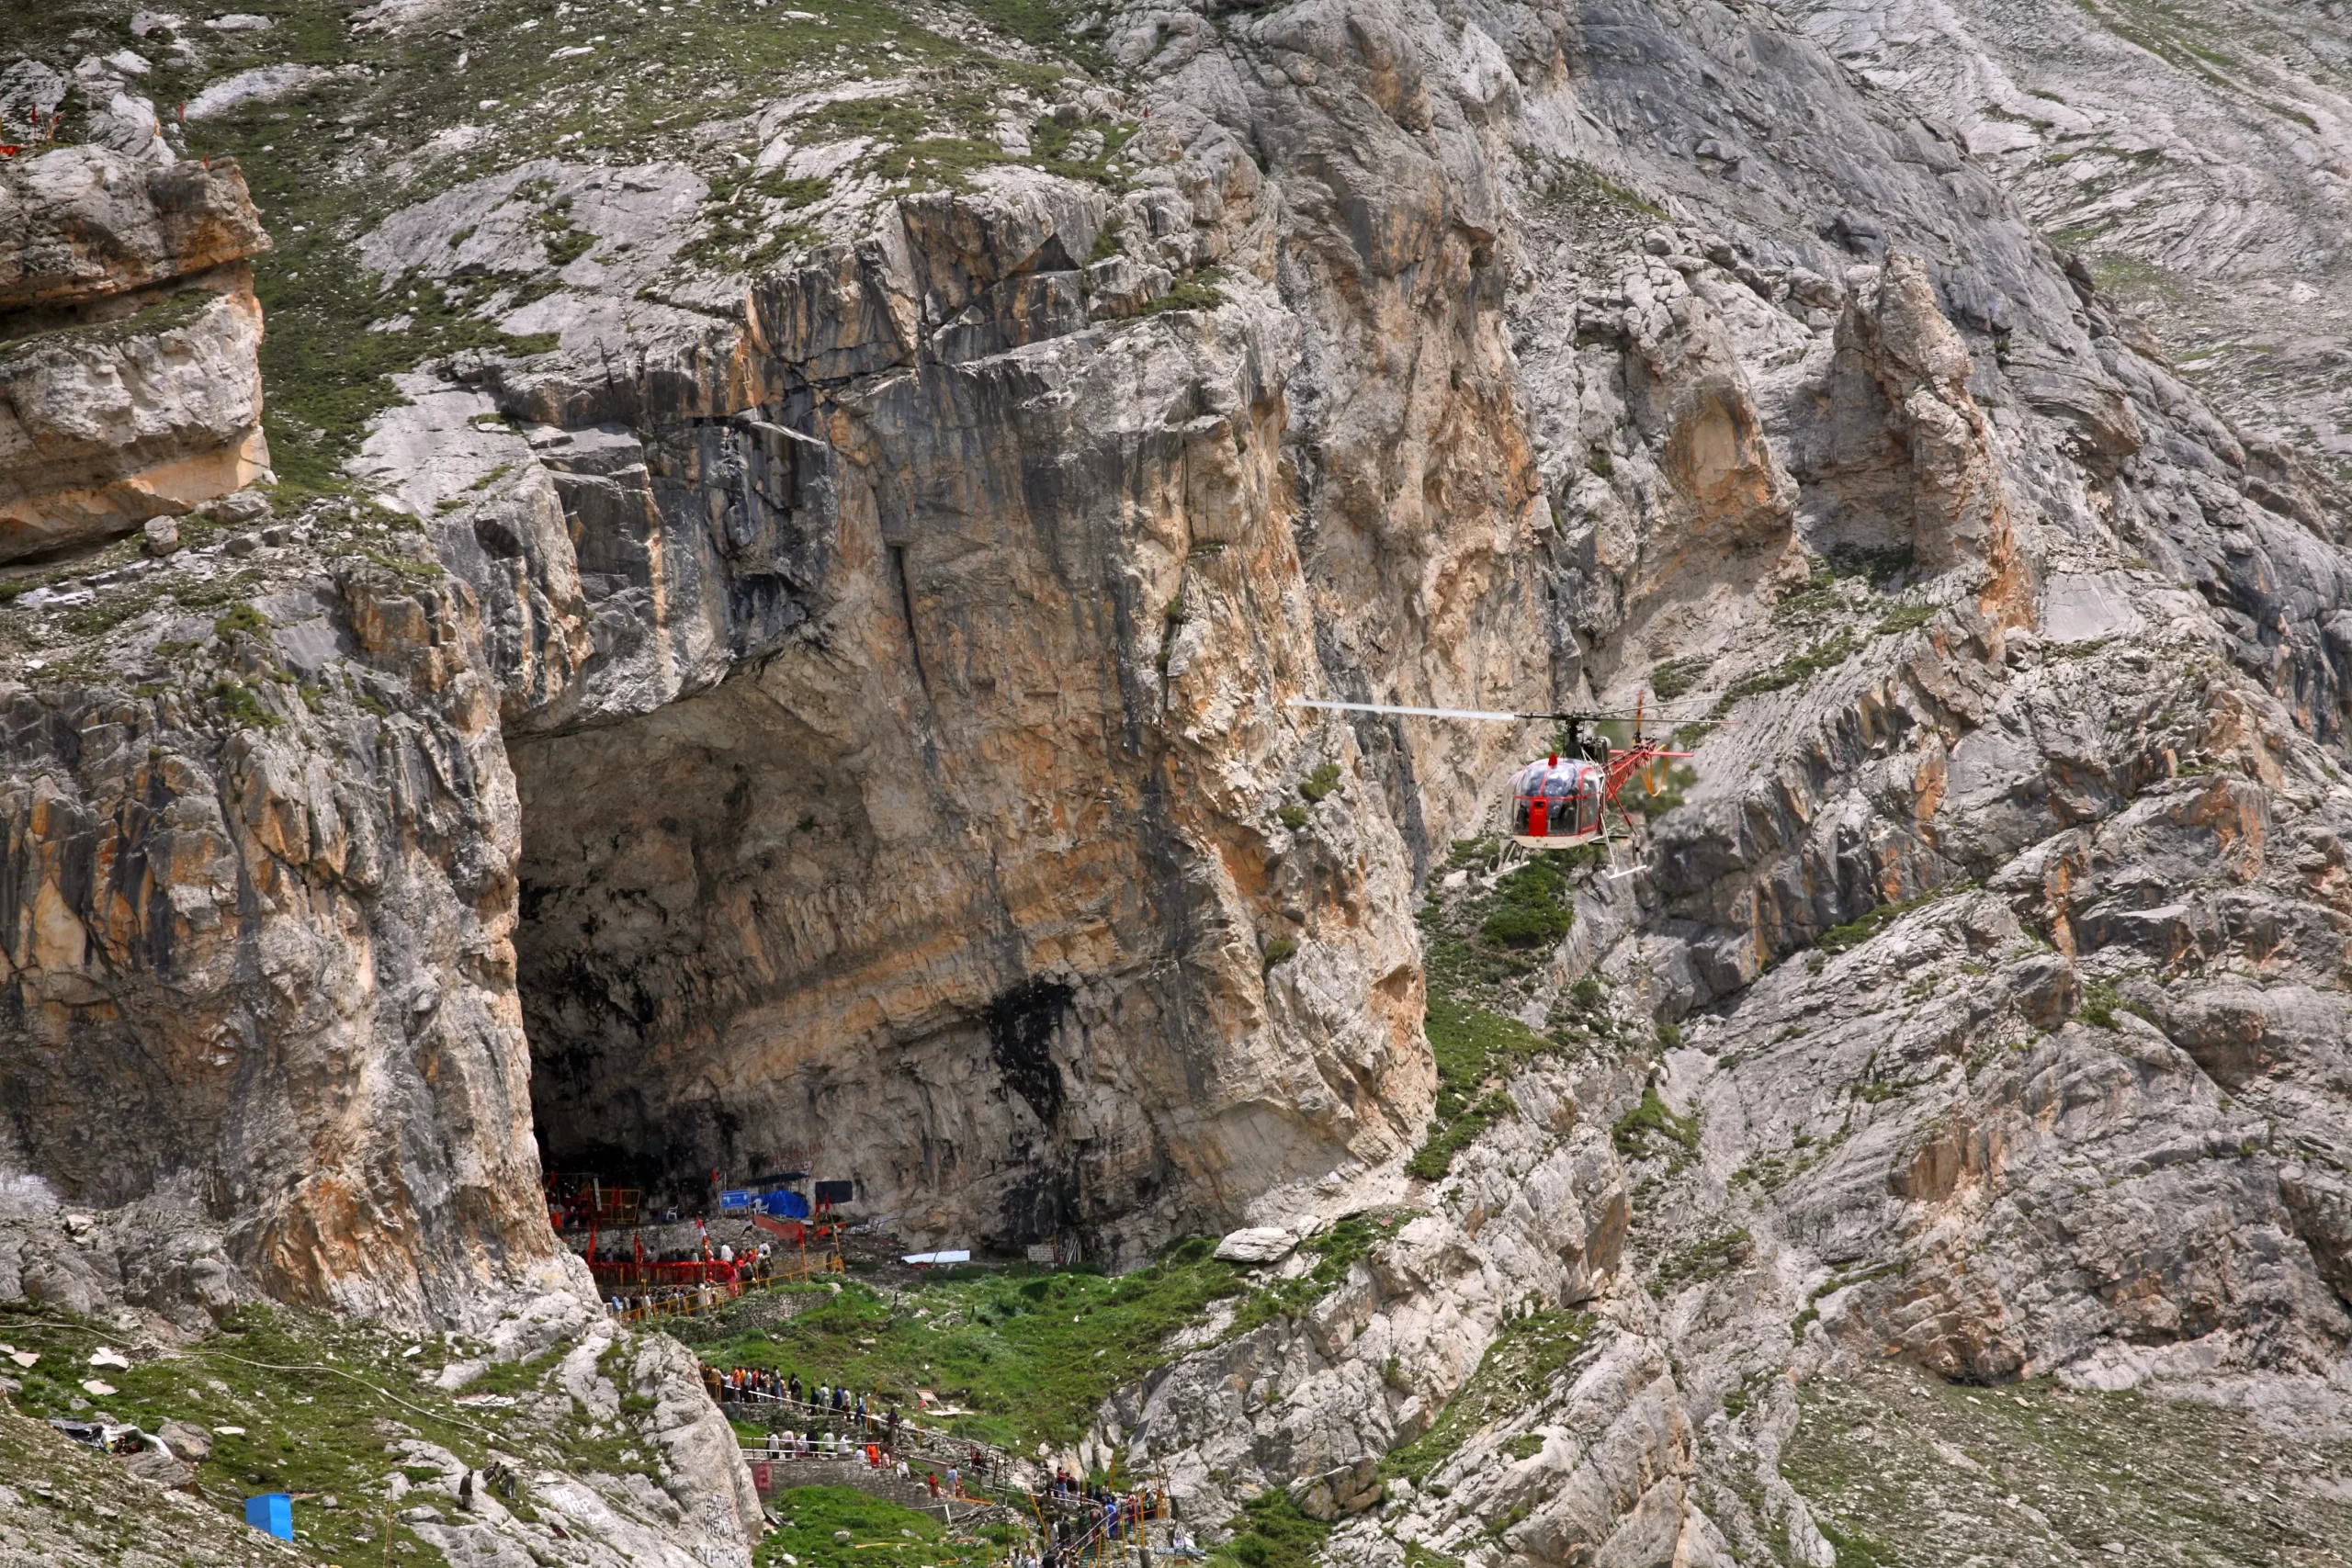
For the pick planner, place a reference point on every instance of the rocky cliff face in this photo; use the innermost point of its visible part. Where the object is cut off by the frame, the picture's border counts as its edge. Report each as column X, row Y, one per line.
column 877, row 532
column 129, row 332
column 2194, row 161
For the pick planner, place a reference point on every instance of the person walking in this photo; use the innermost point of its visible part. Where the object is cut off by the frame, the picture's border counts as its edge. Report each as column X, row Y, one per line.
column 931, row 1478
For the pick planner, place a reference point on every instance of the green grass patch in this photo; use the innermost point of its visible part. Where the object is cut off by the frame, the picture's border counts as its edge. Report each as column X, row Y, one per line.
column 1473, row 1048
column 1482, row 944
column 1676, row 676
column 241, row 620
column 1707, row 1258
column 1030, row 1354
column 1335, row 1251
column 1041, row 24
column 1193, row 291
column 240, row 703
column 880, row 1531
column 1793, row 670
column 1861, row 928
column 319, row 1402
column 1530, row 908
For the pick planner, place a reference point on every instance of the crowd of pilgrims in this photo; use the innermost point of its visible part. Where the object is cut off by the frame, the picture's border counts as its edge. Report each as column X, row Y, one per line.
column 873, row 1436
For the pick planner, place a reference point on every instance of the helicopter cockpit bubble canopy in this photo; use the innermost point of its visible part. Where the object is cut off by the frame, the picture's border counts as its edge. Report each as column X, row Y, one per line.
column 1555, row 800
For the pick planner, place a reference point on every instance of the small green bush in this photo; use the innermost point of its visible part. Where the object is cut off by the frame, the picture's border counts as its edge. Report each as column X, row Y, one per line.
column 238, row 701
column 1280, row 950
column 1676, row 676
column 1273, row 1533
column 244, row 619
column 1530, row 907
column 1650, row 1120
column 1193, row 291
column 1319, row 784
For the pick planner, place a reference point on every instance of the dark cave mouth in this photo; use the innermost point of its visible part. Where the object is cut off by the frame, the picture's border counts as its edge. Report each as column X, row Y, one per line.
column 676, row 1006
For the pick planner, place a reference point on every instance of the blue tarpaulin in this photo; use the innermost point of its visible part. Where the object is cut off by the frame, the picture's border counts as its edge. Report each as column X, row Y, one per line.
column 786, row 1205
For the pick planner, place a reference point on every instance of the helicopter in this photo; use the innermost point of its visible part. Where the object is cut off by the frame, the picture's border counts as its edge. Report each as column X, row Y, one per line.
column 1561, row 802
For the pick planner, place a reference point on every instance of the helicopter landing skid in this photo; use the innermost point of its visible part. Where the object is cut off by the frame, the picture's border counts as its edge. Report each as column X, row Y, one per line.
column 1556, row 841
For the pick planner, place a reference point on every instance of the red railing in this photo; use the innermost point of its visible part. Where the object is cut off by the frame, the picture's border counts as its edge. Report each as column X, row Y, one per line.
column 628, row 1271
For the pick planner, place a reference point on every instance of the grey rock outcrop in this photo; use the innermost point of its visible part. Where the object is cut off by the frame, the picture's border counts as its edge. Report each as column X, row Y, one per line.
column 2195, row 161
column 129, row 385
column 865, row 652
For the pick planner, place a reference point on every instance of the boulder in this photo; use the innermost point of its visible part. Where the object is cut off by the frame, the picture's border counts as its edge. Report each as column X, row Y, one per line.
column 186, row 1440
column 1261, row 1244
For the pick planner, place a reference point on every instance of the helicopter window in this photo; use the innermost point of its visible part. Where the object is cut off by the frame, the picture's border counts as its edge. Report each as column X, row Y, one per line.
column 1557, row 787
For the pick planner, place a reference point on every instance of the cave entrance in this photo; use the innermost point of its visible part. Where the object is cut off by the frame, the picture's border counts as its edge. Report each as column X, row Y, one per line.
column 681, row 874
column 727, row 973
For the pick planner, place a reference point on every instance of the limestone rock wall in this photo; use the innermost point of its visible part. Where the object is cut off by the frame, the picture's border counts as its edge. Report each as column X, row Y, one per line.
column 1996, row 943
column 948, row 693
column 130, row 386
column 257, row 929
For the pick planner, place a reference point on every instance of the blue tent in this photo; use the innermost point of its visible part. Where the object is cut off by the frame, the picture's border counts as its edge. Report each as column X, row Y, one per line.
column 271, row 1511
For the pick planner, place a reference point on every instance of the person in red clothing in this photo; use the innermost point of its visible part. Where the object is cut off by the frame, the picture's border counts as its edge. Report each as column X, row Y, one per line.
column 933, row 1476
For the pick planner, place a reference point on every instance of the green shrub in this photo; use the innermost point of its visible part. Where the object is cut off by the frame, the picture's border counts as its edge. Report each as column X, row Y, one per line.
column 1530, row 907
column 1516, row 1371
column 1470, row 1046
column 1319, row 784
column 1676, row 676
column 241, row 619
column 238, row 701
column 1273, row 1533
column 1280, row 951
column 1650, row 1120
column 881, row 1532
column 1800, row 667
column 1193, row 291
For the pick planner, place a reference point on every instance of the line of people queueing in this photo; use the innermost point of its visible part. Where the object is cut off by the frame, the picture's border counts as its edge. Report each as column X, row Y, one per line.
column 1123, row 1513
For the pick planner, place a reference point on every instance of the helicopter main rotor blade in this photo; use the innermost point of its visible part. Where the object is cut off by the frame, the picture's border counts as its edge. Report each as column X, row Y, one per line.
column 1427, row 712
column 1581, row 715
